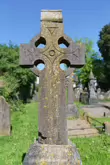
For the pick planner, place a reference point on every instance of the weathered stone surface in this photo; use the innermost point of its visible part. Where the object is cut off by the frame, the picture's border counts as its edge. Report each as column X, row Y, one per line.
column 72, row 110
column 4, row 117
column 84, row 97
column 107, row 95
column 81, row 128
column 35, row 96
column 107, row 127
column 52, row 109
column 36, row 91
column 77, row 92
column 51, row 15
column 92, row 89
column 96, row 111
column 40, row 154
column 101, row 95
column 52, row 113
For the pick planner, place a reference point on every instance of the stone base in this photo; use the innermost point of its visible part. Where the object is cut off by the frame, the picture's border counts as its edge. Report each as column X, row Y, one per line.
column 107, row 127
column 72, row 111
column 5, row 133
column 42, row 154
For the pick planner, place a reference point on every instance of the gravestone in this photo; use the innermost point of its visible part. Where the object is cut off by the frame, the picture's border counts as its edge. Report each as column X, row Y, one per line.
column 84, row 96
column 72, row 110
column 4, row 117
column 35, row 97
column 107, row 127
column 36, row 91
column 78, row 90
column 100, row 94
column 53, row 146
column 92, row 89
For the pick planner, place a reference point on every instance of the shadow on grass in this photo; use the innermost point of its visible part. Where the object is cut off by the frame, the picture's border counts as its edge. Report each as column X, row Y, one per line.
column 23, row 156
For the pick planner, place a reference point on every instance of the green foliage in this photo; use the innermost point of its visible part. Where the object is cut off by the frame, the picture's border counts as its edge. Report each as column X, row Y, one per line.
column 17, row 80
column 91, row 57
column 104, row 48
column 104, row 42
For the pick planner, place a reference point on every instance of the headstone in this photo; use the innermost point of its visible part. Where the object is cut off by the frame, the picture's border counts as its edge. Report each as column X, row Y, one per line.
column 100, row 94
column 35, row 96
column 107, row 95
column 92, row 89
column 36, row 91
column 78, row 90
column 72, row 110
column 4, row 117
column 84, row 97
column 52, row 135
column 75, row 81
column 107, row 127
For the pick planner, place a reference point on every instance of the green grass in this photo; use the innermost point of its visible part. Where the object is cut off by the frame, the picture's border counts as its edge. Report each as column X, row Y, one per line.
column 25, row 128
column 93, row 151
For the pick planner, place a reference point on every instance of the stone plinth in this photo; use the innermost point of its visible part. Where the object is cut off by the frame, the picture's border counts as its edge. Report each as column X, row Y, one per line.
column 107, row 127
column 42, row 154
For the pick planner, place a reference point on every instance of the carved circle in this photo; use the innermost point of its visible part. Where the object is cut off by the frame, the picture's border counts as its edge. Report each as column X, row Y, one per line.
column 52, row 52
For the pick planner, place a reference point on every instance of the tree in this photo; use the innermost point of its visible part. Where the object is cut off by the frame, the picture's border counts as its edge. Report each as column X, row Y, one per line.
column 104, row 48
column 17, row 80
column 92, row 58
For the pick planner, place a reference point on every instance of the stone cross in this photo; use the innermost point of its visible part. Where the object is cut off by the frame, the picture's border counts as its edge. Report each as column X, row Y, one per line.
column 52, row 109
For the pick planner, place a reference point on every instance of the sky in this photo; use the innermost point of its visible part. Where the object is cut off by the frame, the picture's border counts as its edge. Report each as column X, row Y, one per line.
column 20, row 19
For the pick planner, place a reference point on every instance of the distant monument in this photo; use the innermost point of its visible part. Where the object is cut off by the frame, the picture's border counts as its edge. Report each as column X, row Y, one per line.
column 72, row 110
column 36, row 90
column 52, row 146
column 92, row 89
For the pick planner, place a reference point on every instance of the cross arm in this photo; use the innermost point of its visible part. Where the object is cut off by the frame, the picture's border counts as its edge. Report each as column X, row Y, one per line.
column 74, row 53
column 76, row 56
column 28, row 55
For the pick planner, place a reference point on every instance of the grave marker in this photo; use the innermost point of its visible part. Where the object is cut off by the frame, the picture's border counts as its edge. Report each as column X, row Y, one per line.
column 72, row 110
column 92, row 89
column 4, row 117
column 52, row 112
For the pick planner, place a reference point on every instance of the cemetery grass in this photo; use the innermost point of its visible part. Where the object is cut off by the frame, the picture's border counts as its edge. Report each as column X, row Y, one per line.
column 24, row 131
column 94, row 150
